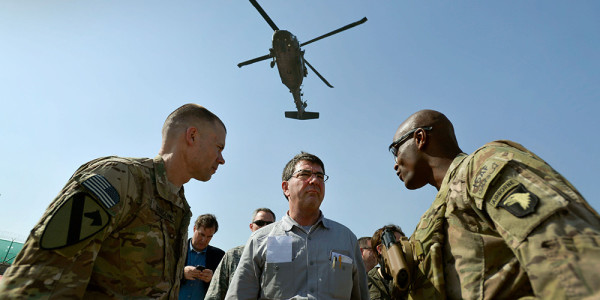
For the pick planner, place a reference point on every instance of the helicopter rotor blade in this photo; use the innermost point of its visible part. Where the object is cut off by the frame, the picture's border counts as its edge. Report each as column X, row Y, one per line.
column 335, row 31
column 254, row 60
column 264, row 14
column 313, row 69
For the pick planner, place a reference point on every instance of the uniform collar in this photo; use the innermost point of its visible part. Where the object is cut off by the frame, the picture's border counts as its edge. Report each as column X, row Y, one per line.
column 165, row 188
column 452, row 168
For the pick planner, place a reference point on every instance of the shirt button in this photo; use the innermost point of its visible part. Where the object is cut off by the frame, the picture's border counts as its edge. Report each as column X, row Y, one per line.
column 312, row 263
column 172, row 235
column 309, row 238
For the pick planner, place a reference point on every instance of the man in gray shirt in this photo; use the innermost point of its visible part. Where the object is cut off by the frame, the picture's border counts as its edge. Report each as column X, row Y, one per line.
column 304, row 255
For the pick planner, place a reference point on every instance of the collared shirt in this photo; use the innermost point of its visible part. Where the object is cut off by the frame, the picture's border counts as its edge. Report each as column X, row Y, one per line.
column 193, row 289
column 283, row 261
column 139, row 253
column 224, row 274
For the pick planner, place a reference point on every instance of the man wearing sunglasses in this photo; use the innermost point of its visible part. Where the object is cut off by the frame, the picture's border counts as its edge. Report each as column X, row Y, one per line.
column 504, row 224
column 303, row 255
column 224, row 272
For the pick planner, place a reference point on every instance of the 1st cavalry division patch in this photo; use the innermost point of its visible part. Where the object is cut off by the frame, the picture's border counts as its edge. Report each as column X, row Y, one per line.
column 77, row 219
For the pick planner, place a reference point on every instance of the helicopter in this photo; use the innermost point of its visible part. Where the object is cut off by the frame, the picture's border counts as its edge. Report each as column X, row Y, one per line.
column 289, row 57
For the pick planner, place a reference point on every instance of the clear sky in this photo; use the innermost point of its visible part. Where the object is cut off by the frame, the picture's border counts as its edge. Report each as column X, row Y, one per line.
column 85, row 79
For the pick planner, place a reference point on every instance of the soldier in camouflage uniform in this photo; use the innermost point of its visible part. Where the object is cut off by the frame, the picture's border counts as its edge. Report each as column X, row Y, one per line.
column 504, row 224
column 118, row 229
column 224, row 272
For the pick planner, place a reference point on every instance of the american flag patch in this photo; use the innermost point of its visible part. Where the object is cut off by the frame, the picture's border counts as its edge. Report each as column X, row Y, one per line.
column 105, row 192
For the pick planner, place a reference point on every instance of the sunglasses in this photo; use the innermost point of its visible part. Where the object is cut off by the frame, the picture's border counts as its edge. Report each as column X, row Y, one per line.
column 393, row 148
column 262, row 223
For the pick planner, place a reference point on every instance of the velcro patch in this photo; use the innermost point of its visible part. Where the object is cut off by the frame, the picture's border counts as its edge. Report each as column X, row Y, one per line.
column 105, row 192
column 78, row 218
column 520, row 202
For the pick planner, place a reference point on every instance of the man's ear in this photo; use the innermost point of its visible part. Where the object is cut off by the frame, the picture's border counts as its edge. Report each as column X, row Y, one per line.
column 421, row 138
column 285, row 188
column 379, row 248
column 191, row 134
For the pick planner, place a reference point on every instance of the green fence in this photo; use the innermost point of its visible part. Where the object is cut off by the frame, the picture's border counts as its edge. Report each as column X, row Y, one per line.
column 9, row 250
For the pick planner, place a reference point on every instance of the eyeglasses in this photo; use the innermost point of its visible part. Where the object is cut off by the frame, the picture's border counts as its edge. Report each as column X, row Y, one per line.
column 262, row 223
column 396, row 144
column 305, row 175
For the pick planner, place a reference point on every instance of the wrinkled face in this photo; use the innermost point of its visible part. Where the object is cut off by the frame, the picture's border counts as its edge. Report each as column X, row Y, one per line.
column 305, row 195
column 261, row 216
column 408, row 163
column 202, row 237
column 206, row 151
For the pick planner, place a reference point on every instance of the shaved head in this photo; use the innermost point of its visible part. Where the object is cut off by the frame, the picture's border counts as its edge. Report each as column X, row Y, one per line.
column 423, row 147
column 435, row 119
column 185, row 116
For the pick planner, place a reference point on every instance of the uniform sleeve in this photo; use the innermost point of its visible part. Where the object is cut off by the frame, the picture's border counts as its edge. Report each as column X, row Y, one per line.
column 57, row 259
column 220, row 282
column 545, row 222
column 246, row 278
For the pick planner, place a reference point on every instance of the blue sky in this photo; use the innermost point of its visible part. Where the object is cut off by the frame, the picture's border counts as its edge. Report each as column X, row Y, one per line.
column 85, row 79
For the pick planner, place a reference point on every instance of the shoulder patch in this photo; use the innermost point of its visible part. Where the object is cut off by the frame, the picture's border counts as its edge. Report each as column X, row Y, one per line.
column 102, row 189
column 78, row 218
column 502, row 190
column 485, row 175
column 520, row 202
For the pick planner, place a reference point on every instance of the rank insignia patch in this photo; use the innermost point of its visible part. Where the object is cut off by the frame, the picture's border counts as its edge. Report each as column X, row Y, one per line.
column 105, row 192
column 520, row 202
column 78, row 218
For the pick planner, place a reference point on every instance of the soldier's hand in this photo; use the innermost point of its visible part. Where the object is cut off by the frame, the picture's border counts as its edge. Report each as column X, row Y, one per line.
column 190, row 273
column 206, row 275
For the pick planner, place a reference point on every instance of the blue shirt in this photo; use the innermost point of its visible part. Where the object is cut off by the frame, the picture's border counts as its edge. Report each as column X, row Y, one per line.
column 193, row 289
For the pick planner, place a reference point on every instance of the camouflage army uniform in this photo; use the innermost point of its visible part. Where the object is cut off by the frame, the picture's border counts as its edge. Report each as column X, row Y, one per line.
column 139, row 253
column 224, row 274
column 506, row 225
column 379, row 288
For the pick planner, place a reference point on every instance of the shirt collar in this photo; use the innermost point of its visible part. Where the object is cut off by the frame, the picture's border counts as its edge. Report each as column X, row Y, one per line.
column 194, row 249
column 288, row 222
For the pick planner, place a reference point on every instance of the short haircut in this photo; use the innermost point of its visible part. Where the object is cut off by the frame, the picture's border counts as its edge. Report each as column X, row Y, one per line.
column 207, row 221
column 186, row 115
column 288, row 171
column 256, row 211
column 363, row 242
column 376, row 239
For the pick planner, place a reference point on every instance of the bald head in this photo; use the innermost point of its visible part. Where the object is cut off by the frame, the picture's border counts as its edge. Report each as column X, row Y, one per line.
column 441, row 128
column 424, row 146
